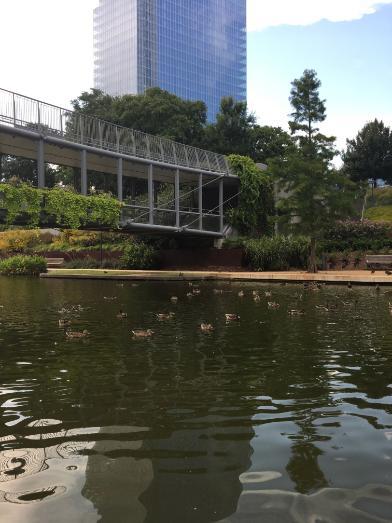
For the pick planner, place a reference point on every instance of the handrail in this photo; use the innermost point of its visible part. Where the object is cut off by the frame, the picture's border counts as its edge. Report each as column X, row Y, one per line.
column 22, row 111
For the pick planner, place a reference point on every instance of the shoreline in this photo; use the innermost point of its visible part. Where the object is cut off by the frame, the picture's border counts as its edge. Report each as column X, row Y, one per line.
column 360, row 277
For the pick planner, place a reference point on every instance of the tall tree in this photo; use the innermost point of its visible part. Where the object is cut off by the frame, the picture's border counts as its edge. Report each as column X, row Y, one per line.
column 313, row 193
column 232, row 133
column 369, row 155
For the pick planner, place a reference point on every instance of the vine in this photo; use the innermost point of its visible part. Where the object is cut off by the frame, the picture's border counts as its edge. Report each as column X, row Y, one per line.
column 65, row 207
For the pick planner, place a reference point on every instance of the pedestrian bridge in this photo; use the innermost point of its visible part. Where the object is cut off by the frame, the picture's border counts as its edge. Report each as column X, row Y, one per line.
column 165, row 186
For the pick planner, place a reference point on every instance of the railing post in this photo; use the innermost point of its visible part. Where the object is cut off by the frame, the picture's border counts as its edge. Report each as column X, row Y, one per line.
column 41, row 163
column 151, row 194
column 83, row 172
column 14, row 108
column 120, row 179
column 221, row 205
column 200, row 192
column 177, row 196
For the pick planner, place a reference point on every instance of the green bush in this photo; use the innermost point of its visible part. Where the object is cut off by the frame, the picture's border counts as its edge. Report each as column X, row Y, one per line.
column 67, row 208
column 358, row 236
column 277, row 253
column 138, row 255
column 23, row 266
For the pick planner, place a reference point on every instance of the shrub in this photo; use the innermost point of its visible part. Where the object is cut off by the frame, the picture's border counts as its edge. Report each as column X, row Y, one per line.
column 277, row 253
column 23, row 266
column 358, row 236
column 18, row 241
column 138, row 255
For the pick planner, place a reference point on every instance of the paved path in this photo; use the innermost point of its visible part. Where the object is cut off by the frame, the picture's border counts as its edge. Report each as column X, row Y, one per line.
column 358, row 277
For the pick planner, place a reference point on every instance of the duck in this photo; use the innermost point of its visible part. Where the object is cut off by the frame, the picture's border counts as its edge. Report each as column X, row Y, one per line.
column 165, row 316
column 122, row 315
column 77, row 334
column 189, row 294
column 174, row 299
column 296, row 312
column 255, row 293
column 273, row 305
column 218, row 291
column 206, row 327
column 140, row 333
column 196, row 291
column 256, row 298
column 64, row 323
column 232, row 317
column 268, row 294
column 110, row 298
column 241, row 294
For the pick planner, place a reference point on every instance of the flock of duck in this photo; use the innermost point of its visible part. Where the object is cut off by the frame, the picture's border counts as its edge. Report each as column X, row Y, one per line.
column 65, row 323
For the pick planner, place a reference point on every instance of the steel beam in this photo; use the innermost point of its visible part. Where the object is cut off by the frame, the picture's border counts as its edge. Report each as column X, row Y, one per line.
column 177, row 196
column 120, row 179
column 41, row 163
column 200, row 193
column 221, row 205
column 151, row 194
column 83, row 172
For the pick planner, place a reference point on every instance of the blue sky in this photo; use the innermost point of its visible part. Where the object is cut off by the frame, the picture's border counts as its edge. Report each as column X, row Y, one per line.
column 348, row 42
column 353, row 60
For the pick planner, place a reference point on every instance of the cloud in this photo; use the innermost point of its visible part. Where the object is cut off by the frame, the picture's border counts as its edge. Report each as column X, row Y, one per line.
column 271, row 13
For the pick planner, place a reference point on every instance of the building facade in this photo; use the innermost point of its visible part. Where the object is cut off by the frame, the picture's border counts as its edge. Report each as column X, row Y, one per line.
column 195, row 49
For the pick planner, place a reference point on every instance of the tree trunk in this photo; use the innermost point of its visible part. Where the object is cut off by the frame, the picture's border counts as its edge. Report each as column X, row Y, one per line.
column 312, row 256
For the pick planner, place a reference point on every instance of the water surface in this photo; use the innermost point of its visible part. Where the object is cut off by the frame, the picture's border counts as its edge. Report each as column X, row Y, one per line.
column 275, row 417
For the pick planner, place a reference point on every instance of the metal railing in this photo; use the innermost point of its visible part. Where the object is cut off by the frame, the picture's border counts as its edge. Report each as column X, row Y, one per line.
column 50, row 120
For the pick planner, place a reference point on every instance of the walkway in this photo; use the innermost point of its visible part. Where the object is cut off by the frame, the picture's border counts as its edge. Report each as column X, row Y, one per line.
column 336, row 277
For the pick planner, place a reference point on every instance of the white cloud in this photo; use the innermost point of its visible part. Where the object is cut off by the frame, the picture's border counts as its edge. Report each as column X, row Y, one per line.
column 270, row 13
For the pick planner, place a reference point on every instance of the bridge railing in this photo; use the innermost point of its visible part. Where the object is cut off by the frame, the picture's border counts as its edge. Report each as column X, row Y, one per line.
column 21, row 111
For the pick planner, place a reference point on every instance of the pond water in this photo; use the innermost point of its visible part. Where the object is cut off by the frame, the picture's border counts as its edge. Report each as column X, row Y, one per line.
column 273, row 418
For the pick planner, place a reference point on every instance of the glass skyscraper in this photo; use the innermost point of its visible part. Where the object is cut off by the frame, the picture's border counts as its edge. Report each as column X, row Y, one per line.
column 195, row 49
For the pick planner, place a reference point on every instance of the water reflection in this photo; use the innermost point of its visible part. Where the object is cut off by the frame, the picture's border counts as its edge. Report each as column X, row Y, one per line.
column 271, row 417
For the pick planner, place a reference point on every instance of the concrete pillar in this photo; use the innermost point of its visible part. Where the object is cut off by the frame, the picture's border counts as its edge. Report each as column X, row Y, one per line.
column 151, row 194
column 200, row 192
column 120, row 179
column 177, row 196
column 221, row 205
column 83, row 172
column 41, row 163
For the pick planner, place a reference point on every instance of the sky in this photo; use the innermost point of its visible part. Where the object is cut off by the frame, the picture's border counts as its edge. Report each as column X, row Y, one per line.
column 46, row 52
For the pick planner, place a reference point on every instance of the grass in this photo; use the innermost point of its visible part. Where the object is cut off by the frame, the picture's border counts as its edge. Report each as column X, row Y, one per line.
column 383, row 213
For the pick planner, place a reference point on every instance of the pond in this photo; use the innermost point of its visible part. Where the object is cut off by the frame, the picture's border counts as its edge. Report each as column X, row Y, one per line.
column 272, row 417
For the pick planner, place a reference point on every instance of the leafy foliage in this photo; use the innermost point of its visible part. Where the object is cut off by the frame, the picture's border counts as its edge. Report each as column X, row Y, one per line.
column 369, row 155
column 19, row 241
column 23, row 266
column 357, row 236
column 269, row 142
column 67, row 208
column 382, row 213
column 255, row 202
column 138, row 255
column 277, row 253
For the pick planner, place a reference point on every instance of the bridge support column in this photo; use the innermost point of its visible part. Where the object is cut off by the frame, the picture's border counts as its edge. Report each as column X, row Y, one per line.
column 200, row 193
column 177, row 196
column 41, row 163
column 221, row 205
column 150, row 194
column 120, row 179
column 83, row 172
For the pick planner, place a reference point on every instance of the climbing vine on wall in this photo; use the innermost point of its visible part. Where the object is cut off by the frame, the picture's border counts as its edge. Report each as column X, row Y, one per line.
column 57, row 207
column 255, row 202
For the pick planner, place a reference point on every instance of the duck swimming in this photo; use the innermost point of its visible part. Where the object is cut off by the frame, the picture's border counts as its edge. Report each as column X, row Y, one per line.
column 165, row 316
column 122, row 315
column 139, row 333
column 206, row 327
column 77, row 334
column 232, row 317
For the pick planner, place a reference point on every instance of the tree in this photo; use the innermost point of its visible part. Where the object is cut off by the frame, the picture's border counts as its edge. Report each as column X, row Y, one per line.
column 270, row 142
column 369, row 155
column 155, row 111
column 233, row 131
column 313, row 193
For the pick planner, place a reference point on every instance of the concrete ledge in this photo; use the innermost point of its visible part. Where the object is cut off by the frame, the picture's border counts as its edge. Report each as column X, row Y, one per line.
column 339, row 277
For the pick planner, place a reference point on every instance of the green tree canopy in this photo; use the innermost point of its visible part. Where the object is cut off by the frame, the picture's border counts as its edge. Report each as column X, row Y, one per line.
column 369, row 155
column 156, row 111
column 233, row 131
column 270, row 142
